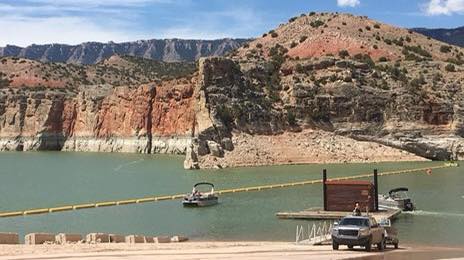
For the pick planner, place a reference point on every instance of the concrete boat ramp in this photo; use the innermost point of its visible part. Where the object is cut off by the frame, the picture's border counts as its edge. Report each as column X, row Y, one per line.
column 320, row 214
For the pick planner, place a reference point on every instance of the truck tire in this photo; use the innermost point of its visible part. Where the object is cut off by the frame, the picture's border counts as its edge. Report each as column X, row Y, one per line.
column 334, row 246
column 350, row 246
column 396, row 245
column 368, row 245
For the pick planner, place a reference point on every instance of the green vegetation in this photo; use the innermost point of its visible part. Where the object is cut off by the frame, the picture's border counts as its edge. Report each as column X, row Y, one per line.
column 445, row 48
column 168, row 69
column 368, row 28
column 343, row 54
column 4, row 81
column 293, row 45
column 411, row 56
column 291, row 20
column 272, row 68
column 383, row 59
column 377, row 26
column 450, row 68
column 225, row 114
column 291, row 118
column 274, row 35
column 364, row 58
column 316, row 23
column 259, row 45
column 418, row 50
column 395, row 72
column 455, row 61
column 303, row 38
column 398, row 42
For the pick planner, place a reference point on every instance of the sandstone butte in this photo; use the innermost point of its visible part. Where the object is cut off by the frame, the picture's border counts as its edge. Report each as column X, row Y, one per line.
column 324, row 87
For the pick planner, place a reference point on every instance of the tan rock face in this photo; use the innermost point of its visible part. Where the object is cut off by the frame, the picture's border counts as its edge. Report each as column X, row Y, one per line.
column 38, row 120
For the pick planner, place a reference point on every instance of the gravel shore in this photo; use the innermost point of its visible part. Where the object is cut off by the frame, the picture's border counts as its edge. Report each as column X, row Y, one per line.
column 215, row 250
column 307, row 146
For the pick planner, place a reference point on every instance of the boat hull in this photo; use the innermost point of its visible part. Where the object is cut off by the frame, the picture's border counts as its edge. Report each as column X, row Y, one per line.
column 403, row 204
column 200, row 202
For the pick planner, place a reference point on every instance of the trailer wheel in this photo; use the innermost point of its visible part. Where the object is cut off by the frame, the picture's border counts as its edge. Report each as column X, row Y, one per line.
column 396, row 245
column 381, row 245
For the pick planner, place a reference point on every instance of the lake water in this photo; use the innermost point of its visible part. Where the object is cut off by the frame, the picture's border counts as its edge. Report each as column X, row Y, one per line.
column 48, row 179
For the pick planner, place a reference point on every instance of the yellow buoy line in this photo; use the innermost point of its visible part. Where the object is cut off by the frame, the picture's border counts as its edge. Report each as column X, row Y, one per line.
column 179, row 196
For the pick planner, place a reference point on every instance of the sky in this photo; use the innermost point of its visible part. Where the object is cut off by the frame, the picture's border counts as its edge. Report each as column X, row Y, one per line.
column 24, row 22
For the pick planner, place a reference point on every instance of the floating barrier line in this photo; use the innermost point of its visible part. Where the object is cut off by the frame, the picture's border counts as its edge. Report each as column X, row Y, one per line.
column 179, row 196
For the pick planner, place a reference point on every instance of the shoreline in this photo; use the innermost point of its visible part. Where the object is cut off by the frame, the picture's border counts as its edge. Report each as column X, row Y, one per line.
column 213, row 250
column 308, row 146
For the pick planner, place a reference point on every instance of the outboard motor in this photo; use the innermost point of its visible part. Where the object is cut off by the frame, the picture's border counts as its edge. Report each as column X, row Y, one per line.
column 408, row 205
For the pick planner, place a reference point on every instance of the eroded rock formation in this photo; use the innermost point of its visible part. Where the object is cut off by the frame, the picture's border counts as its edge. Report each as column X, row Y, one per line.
column 146, row 119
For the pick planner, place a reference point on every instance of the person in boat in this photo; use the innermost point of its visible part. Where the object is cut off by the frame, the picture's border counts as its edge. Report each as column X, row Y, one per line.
column 357, row 209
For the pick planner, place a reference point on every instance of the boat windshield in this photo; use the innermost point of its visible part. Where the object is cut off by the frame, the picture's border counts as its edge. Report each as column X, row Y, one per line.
column 354, row 222
column 399, row 195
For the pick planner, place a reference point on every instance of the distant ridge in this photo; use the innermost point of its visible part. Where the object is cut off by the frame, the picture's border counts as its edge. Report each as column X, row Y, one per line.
column 169, row 50
column 452, row 36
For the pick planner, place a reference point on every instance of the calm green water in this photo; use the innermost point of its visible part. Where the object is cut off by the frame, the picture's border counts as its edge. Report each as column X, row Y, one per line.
column 47, row 179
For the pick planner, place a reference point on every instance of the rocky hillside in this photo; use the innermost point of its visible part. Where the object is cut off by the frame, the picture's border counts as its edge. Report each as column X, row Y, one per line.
column 114, row 71
column 170, row 50
column 324, row 87
column 345, row 74
column 452, row 36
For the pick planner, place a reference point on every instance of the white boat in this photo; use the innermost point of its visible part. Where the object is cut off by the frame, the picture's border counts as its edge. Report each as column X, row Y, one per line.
column 200, row 199
column 396, row 199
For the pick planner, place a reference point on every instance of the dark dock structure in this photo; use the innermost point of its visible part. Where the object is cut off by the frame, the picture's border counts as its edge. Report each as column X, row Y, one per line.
column 339, row 198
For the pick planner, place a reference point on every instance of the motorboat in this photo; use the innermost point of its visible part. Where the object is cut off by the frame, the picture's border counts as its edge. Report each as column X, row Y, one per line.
column 396, row 199
column 200, row 198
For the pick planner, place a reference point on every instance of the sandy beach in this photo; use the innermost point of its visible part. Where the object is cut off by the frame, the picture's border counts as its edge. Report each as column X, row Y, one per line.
column 215, row 250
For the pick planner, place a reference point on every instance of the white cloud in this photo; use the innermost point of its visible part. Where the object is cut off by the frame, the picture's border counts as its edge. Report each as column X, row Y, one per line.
column 77, row 21
column 444, row 7
column 93, row 3
column 237, row 23
column 349, row 3
column 24, row 31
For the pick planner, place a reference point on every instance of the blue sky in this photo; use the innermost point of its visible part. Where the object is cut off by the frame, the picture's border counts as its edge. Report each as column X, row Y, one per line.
column 24, row 22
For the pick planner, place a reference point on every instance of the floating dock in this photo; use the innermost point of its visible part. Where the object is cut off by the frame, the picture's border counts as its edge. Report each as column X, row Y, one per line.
column 320, row 214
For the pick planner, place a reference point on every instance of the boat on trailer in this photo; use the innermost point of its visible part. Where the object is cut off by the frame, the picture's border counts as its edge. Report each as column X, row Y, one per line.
column 397, row 199
column 200, row 198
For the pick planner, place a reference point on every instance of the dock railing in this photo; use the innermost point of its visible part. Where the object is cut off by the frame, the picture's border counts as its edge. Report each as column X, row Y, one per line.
column 317, row 233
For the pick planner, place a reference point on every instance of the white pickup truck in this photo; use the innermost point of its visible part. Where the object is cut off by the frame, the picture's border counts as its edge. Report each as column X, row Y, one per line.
column 358, row 231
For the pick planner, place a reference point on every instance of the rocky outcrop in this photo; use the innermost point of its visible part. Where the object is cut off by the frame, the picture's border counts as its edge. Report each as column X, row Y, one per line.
column 146, row 119
column 93, row 52
column 426, row 124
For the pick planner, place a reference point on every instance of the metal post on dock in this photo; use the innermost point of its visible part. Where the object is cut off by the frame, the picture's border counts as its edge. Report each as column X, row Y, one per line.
column 376, row 191
column 324, row 187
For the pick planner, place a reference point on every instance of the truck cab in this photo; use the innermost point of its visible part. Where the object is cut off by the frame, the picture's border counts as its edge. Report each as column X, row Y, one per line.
column 358, row 231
